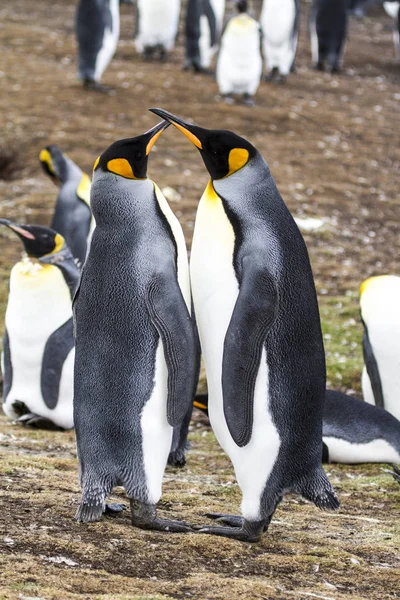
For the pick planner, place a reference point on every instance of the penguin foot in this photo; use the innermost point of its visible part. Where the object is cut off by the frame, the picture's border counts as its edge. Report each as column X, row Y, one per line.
column 96, row 86
column 395, row 473
column 228, row 99
column 113, row 508
column 250, row 531
column 282, row 79
column 231, row 520
column 248, row 100
column 32, row 420
column 144, row 516
column 271, row 75
column 177, row 458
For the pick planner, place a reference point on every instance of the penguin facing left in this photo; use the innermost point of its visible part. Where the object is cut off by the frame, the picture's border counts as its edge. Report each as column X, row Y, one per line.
column 97, row 33
column 328, row 28
column 260, row 334
column 157, row 23
column 72, row 217
column 239, row 63
column 379, row 304
column 38, row 345
column 279, row 23
column 135, row 368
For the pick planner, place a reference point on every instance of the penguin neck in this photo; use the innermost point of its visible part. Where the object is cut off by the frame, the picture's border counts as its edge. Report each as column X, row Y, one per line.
column 254, row 173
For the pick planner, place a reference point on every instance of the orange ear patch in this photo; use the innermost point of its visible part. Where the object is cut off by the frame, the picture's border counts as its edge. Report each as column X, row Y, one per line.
column 120, row 166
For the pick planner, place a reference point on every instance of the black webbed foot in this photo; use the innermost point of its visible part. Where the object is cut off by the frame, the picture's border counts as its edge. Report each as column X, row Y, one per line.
column 395, row 473
column 231, row 520
column 114, row 508
column 96, row 86
column 249, row 531
column 32, row 420
column 144, row 516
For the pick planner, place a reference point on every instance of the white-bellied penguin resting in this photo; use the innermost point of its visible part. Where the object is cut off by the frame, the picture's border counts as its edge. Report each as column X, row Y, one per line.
column 38, row 344
column 136, row 359
column 380, row 314
column 72, row 215
column 259, row 327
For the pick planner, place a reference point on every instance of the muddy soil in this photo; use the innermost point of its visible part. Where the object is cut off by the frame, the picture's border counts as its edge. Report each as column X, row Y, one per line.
column 332, row 143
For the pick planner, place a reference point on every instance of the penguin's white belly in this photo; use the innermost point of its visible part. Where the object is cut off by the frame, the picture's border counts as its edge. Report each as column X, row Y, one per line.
column 206, row 50
column 277, row 21
column 215, row 291
column 159, row 20
column 392, row 9
column 110, row 41
column 38, row 305
column 239, row 64
column 342, row 451
column 156, row 431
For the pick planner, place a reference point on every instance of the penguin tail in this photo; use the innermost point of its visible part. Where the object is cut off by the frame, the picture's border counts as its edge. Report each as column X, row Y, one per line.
column 318, row 489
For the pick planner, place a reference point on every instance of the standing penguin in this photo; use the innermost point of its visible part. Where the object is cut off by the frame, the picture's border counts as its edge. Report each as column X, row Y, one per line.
column 97, row 33
column 393, row 10
column 38, row 345
column 259, row 327
column 280, row 25
column 72, row 216
column 239, row 65
column 379, row 303
column 203, row 29
column 157, row 24
column 328, row 28
column 135, row 344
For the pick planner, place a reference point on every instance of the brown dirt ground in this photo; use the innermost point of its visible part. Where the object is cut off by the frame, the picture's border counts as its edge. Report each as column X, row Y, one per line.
column 333, row 147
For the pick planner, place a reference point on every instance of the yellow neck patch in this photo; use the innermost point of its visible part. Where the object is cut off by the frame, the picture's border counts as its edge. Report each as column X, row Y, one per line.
column 83, row 189
column 210, row 194
column 120, row 166
column 45, row 157
column 238, row 157
column 96, row 162
column 371, row 282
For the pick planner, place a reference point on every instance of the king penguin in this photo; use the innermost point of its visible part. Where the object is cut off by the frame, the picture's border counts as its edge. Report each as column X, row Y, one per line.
column 280, row 24
column 72, row 216
column 353, row 431
column 260, row 334
column 97, row 33
column 203, row 29
column 379, row 304
column 38, row 345
column 239, row 64
column 328, row 28
column 134, row 338
column 393, row 10
column 157, row 23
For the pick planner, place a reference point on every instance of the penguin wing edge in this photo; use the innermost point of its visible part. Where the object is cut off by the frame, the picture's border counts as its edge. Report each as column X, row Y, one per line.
column 253, row 315
column 372, row 369
column 171, row 318
column 6, row 366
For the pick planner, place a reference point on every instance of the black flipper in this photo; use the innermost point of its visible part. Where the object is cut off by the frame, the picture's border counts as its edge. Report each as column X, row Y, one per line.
column 7, row 366
column 254, row 313
column 325, row 453
column 212, row 23
column 57, row 348
column 170, row 316
column 372, row 369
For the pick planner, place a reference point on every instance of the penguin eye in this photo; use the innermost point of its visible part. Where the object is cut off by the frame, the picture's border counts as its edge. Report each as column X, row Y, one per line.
column 138, row 155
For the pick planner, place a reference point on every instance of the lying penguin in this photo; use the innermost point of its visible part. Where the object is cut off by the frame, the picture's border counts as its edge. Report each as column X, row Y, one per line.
column 38, row 344
column 72, row 217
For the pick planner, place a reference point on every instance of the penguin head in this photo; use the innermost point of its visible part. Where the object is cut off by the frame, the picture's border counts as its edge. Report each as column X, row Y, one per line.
column 128, row 157
column 38, row 241
column 223, row 152
column 241, row 6
column 54, row 163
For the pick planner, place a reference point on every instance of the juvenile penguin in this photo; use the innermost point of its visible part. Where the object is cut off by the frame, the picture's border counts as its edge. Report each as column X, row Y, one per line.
column 239, row 64
column 353, row 431
column 328, row 28
column 157, row 24
column 97, row 33
column 135, row 344
column 260, row 334
column 379, row 304
column 72, row 216
column 203, row 29
column 393, row 10
column 38, row 345
column 280, row 25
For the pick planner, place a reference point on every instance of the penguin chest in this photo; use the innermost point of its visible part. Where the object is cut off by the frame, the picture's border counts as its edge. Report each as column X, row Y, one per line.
column 277, row 20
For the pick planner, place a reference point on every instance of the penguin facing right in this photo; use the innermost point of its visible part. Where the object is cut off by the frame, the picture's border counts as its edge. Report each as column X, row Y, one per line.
column 379, row 304
column 393, row 10
column 257, row 314
column 72, row 218
column 38, row 345
column 279, row 23
column 135, row 367
column 203, row 29
column 157, row 23
column 239, row 63
column 97, row 32
column 328, row 28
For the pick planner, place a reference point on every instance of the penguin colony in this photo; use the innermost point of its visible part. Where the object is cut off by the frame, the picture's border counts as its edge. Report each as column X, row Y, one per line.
column 243, row 43
column 267, row 401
